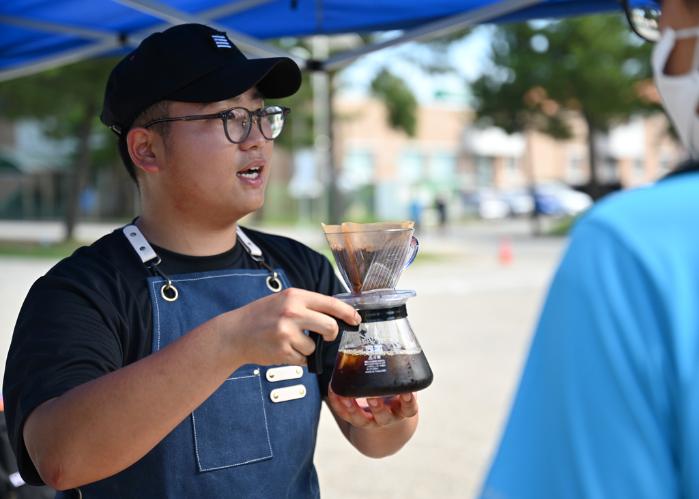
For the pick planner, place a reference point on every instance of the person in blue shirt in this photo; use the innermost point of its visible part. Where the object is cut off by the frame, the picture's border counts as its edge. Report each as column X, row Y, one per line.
column 608, row 402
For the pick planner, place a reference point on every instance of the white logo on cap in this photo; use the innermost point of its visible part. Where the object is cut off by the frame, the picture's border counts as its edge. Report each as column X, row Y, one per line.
column 221, row 41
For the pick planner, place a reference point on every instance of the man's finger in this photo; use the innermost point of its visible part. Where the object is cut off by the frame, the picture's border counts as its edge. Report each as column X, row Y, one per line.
column 348, row 410
column 381, row 412
column 405, row 405
column 303, row 345
column 334, row 307
column 319, row 323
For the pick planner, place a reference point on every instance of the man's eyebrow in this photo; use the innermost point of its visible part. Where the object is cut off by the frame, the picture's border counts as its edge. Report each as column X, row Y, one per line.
column 255, row 95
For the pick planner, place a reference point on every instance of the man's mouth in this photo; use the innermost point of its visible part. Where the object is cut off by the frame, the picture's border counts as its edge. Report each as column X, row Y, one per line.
column 251, row 173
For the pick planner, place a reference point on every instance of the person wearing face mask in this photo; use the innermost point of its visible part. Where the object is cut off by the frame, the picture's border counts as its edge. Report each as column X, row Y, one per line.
column 608, row 402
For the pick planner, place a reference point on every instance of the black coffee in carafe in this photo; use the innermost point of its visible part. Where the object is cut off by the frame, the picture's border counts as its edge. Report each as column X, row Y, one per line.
column 358, row 374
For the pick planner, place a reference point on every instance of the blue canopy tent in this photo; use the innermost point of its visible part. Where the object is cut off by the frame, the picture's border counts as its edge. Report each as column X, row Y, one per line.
column 39, row 34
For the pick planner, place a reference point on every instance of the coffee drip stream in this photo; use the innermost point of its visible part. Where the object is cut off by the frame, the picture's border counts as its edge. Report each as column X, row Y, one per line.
column 381, row 356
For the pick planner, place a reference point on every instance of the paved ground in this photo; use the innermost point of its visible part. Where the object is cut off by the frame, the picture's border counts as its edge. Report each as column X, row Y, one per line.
column 472, row 315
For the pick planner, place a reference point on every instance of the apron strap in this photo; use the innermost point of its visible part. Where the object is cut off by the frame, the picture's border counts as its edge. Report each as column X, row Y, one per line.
column 253, row 249
column 274, row 283
column 150, row 259
column 142, row 247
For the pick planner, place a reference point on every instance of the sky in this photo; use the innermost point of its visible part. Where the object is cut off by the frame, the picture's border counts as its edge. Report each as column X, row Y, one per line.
column 469, row 56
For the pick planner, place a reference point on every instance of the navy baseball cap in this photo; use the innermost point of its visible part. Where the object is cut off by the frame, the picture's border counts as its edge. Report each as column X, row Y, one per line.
column 190, row 63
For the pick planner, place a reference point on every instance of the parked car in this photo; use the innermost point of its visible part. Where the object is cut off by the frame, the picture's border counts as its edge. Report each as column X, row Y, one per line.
column 556, row 198
column 519, row 201
column 486, row 204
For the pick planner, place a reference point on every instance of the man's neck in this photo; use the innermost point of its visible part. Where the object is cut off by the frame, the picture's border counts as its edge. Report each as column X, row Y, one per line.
column 187, row 237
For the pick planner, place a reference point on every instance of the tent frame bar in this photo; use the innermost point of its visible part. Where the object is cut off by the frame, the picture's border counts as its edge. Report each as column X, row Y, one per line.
column 175, row 16
column 55, row 28
column 430, row 31
column 69, row 57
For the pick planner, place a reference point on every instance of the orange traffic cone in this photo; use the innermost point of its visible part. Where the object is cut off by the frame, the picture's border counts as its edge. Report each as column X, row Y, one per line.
column 505, row 255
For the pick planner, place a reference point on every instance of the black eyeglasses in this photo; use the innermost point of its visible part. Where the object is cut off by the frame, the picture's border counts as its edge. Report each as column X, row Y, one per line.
column 237, row 121
column 644, row 18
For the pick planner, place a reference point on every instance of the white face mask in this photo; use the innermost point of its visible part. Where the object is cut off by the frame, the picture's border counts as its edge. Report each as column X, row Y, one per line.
column 680, row 93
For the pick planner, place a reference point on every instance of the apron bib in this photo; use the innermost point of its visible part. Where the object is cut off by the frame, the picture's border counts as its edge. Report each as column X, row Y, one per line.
column 255, row 436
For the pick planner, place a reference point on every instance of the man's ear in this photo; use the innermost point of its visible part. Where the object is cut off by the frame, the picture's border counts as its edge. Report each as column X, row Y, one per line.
column 143, row 149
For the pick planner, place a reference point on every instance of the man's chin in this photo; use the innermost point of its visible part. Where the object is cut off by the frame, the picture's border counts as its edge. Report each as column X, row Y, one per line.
column 251, row 206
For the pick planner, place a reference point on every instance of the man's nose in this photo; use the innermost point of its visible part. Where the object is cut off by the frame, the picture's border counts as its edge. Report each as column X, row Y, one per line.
column 255, row 137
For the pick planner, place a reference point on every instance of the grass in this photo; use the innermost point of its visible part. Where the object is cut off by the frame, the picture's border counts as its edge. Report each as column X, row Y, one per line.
column 25, row 249
column 562, row 227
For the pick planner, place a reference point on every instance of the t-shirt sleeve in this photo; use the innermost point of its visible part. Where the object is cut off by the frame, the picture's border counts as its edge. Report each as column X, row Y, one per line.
column 592, row 416
column 66, row 335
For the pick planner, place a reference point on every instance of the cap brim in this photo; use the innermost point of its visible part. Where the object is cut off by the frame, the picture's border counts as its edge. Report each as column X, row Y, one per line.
column 274, row 77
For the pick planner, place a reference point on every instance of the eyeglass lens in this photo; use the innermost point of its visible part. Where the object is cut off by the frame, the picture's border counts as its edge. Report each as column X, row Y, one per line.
column 270, row 121
column 645, row 22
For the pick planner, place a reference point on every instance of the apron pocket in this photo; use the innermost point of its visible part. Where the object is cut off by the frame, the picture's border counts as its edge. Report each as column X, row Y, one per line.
column 230, row 427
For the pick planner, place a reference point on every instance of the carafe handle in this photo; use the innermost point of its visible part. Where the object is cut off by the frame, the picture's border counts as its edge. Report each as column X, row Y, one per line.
column 315, row 360
column 414, row 247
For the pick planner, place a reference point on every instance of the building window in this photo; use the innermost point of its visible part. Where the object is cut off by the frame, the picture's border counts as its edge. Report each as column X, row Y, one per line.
column 512, row 165
column 443, row 167
column 411, row 166
column 609, row 171
column 639, row 170
column 357, row 169
column 485, row 176
column 575, row 171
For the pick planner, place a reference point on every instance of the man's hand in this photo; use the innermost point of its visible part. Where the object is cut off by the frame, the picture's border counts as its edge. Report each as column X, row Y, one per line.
column 377, row 427
column 271, row 330
column 373, row 412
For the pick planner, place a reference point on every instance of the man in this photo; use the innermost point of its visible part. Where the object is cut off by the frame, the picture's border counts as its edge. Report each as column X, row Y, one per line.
column 608, row 404
column 159, row 362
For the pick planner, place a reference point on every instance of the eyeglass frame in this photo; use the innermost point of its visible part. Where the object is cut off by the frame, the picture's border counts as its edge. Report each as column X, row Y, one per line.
column 224, row 116
column 627, row 12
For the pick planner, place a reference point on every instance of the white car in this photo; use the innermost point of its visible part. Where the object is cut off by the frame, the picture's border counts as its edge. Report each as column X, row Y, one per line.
column 520, row 202
column 486, row 204
column 556, row 198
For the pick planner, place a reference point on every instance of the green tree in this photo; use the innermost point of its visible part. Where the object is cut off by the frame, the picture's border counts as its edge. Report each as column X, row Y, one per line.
column 541, row 73
column 67, row 102
column 398, row 99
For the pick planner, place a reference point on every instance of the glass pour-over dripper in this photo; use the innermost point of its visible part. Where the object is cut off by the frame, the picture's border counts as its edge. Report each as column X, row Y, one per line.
column 371, row 256
column 381, row 356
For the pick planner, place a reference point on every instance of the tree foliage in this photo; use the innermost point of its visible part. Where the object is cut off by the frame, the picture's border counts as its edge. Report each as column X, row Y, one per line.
column 59, row 97
column 399, row 100
column 541, row 72
column 66, row 101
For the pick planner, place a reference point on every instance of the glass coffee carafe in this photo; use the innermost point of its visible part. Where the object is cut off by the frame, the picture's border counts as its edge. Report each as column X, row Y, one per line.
column 381, row 356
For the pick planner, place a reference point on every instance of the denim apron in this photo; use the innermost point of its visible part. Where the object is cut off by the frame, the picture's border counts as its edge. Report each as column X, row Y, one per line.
column 255, row 436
